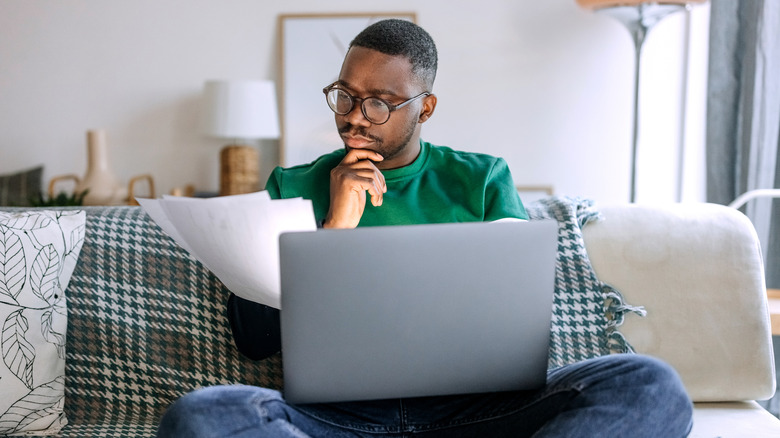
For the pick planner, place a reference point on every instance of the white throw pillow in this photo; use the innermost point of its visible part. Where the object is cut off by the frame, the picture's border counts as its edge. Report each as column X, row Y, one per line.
column 38, row 252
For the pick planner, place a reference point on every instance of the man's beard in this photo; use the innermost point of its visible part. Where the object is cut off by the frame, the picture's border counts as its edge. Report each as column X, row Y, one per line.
column 387, row 151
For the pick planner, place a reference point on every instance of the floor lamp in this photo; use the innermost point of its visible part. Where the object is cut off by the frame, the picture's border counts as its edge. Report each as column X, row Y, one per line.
column 240, row 110
column 638, row 16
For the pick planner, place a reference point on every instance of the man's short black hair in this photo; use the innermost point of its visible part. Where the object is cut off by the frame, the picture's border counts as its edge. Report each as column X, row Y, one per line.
column 400, row 37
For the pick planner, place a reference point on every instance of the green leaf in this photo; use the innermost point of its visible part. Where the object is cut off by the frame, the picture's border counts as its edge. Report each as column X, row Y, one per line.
column 61, row 200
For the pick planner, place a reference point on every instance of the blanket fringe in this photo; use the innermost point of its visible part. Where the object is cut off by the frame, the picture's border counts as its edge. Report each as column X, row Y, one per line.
column 616, row 310
column 587, row 212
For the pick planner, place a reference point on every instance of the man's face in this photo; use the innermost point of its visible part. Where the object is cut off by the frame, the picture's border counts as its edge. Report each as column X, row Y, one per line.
column 369, row 73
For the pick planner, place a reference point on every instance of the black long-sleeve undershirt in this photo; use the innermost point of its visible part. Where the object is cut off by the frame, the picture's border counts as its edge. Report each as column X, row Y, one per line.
column 256, row 329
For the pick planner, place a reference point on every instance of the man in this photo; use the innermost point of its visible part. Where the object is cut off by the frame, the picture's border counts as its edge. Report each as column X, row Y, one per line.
column 386, row 175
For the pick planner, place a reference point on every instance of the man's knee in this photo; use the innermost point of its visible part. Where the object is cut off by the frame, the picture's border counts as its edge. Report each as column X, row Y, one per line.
column 182, row 416
column 653, row 374
column 203, row 409
column 655, row 388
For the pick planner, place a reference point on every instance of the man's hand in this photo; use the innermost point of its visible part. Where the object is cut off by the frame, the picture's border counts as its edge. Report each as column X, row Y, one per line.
column 349, row 182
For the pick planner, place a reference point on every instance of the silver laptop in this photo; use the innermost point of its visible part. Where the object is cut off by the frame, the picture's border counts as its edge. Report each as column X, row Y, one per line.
column 421, row 310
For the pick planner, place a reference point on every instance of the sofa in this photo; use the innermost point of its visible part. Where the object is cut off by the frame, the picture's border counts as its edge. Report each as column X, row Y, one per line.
column 697, row 270
column 146, row 322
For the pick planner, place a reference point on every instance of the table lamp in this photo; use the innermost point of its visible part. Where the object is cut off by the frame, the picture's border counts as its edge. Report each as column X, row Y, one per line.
column 240, row 110
column 638, row 16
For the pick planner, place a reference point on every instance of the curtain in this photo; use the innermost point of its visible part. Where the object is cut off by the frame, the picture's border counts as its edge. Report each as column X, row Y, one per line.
column 743, row 114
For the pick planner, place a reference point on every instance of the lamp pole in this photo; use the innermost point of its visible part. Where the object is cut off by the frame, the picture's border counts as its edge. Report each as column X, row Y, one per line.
column 638, row 16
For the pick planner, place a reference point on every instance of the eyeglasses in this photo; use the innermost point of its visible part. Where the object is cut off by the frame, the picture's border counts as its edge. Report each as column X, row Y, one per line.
column 374, row 109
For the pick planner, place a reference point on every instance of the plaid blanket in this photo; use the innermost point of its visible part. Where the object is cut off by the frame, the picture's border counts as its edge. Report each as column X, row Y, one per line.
column 147, row 322
column 146, row 325
column 586, row 312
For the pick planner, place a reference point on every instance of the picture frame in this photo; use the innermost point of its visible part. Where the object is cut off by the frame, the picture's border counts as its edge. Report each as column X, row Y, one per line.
column 312, row 48
column 530, row 194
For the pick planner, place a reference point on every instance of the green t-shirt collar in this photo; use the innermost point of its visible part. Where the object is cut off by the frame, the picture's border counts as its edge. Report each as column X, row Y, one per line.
column 417, row 165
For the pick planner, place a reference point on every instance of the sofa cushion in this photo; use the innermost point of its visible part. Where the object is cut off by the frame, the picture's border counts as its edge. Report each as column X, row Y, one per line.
column 733, row 420
column 38, row 253
column 20, row 188
column 586, row 312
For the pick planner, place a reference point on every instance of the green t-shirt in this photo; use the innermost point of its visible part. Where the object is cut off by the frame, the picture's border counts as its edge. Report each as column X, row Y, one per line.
column 441, row 185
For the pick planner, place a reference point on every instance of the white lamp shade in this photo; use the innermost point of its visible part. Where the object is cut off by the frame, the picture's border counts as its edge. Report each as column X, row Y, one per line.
column 240, row 109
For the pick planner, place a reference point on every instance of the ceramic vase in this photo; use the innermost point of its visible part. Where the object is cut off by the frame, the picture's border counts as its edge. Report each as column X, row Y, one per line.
column 103, row 186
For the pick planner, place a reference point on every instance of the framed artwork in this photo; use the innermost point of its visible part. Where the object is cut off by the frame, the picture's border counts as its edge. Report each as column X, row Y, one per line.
column 529, row 194
column 313, row 47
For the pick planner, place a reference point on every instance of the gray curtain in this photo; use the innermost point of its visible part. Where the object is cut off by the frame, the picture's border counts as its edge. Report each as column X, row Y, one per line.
column 743, row 114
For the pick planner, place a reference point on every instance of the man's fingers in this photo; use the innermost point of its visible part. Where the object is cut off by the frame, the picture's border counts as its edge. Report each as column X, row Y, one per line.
column 372, row 186
column 376, row 197
column 355, row 176
column 363, row 169
column 355, row 155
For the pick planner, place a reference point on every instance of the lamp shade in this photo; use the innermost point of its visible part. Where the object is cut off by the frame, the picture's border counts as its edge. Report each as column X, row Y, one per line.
column 240, row 109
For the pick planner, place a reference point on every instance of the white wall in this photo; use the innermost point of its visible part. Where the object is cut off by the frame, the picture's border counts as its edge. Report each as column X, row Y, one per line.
column 544, row 84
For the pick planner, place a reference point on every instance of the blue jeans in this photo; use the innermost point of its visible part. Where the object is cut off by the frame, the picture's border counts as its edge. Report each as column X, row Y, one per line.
column 613, row 396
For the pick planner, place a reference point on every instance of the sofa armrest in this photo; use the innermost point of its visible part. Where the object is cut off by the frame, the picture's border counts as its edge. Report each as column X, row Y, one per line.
column 697, row 269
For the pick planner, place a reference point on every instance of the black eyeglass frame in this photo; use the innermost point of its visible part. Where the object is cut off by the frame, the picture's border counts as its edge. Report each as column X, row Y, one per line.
column 354, row 99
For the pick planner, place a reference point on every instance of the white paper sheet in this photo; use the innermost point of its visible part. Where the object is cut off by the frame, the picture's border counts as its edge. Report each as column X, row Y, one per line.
column 235, row 237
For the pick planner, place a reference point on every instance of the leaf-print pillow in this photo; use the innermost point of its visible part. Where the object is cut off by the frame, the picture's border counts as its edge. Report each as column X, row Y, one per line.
column 38, row 252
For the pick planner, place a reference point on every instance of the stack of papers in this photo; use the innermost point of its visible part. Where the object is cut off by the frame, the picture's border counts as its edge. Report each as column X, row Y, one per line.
column 235, row 237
